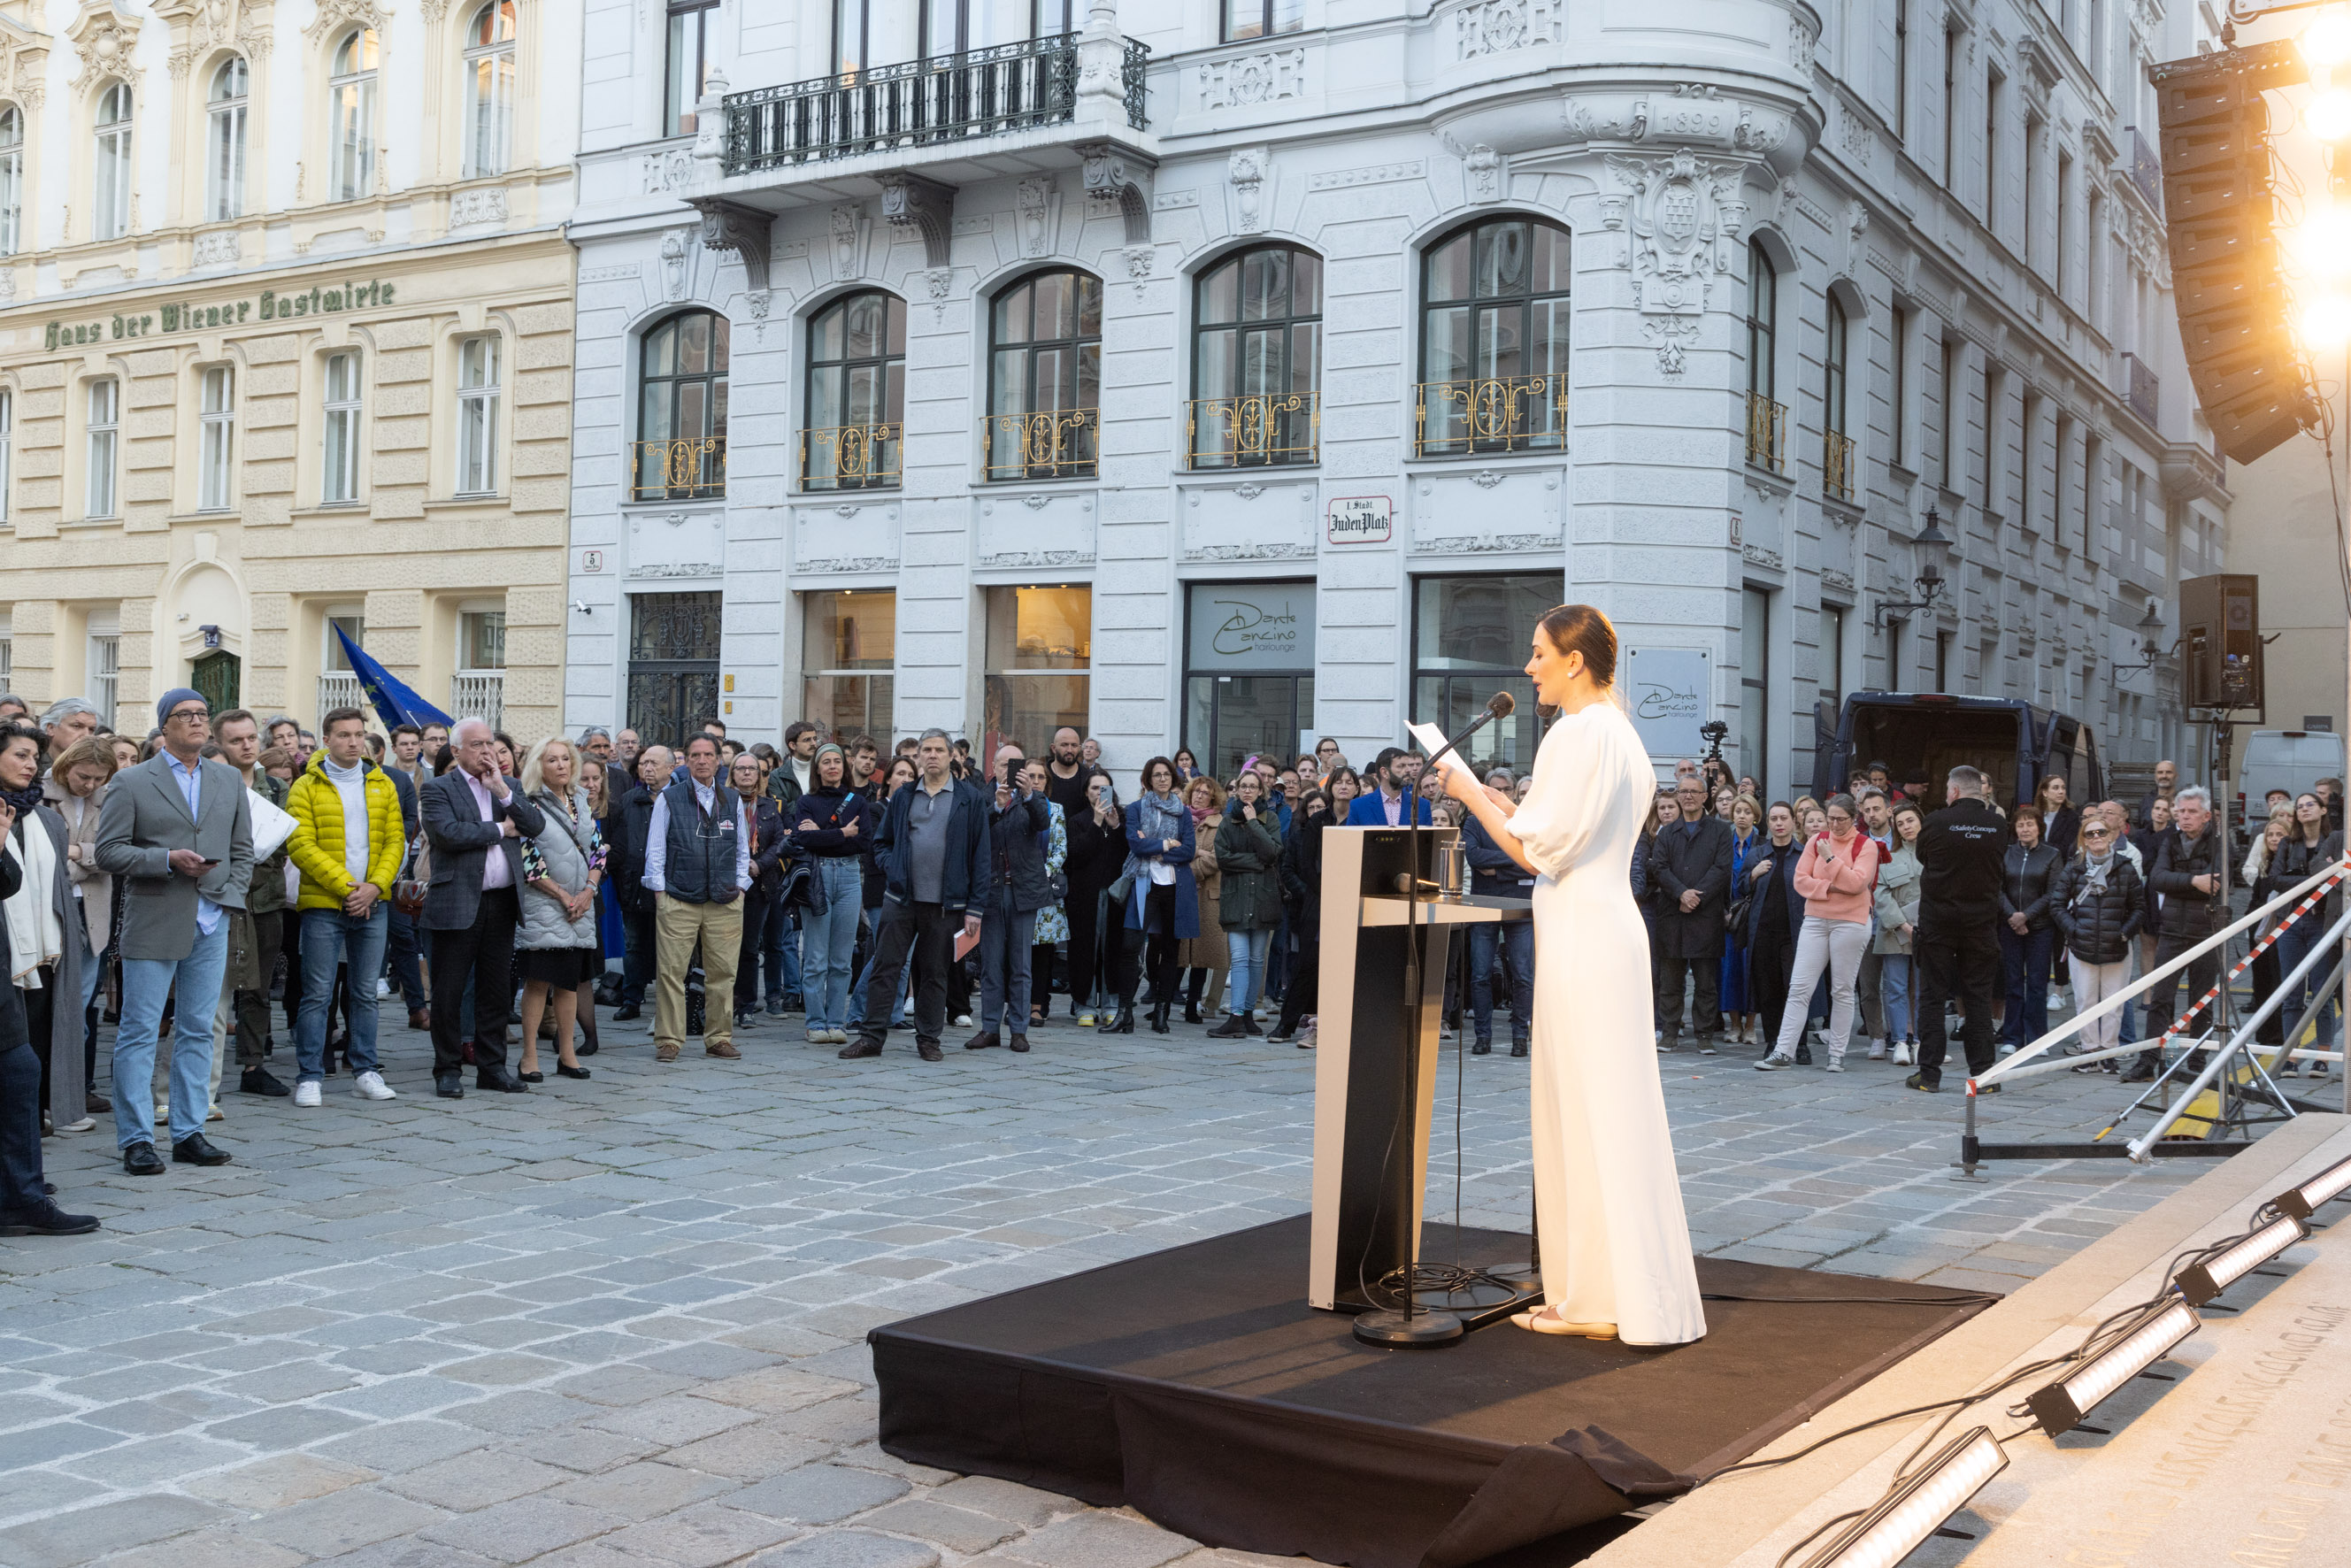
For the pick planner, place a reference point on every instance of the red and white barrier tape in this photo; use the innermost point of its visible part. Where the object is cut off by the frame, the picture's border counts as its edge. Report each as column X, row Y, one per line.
column 2255, row 951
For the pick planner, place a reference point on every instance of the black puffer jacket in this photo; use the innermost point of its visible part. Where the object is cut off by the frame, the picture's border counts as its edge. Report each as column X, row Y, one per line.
column 1302, row 867
column 625, row 856
column 2026, row 878
column 2188, row 915
column 2296, row 863
column 2098, row 927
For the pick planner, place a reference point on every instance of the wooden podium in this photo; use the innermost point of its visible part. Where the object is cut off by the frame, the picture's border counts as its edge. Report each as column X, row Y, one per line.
column 1375, row 1073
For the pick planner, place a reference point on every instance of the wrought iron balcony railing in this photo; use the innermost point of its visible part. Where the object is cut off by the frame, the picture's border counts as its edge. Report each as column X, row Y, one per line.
column 949, row 98
column 1053, row 444
column 2141, row 388
column 1767, row 432
column 480, row 692
column 2145, row 168
column 1258, row 430
column 690, row 469
column 1837, row 476
column 1490, row 414
column 853, row 458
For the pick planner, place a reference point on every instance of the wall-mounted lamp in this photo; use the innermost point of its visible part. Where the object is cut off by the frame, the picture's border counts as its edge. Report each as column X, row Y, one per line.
column 2150, row 641
column 1930, row 582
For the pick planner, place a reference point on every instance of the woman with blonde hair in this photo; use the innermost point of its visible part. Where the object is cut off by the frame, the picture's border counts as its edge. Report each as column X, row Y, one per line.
column 1206, row 959
column 76, row 790
column 556, row 947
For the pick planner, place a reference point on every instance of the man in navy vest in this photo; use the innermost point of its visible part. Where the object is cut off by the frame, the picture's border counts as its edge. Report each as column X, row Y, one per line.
column 697, row 867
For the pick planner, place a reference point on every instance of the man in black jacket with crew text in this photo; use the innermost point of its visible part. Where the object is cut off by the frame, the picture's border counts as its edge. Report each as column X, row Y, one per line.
column 1963, row 859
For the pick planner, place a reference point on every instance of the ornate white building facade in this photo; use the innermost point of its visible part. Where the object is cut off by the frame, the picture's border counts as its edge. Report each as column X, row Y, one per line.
column 285, row 346
column 1223, row 373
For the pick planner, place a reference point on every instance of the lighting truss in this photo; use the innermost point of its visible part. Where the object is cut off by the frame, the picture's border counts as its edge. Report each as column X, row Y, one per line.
column 2060, row 1406
column 2199, row 1283
column 1916, row 1510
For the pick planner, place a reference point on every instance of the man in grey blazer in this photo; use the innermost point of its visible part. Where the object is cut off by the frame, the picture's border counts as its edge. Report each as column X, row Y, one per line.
column 176, row 829
column 476, row 818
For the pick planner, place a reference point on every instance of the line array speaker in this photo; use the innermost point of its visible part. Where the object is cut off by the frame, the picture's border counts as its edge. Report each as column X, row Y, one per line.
column 2222, row 218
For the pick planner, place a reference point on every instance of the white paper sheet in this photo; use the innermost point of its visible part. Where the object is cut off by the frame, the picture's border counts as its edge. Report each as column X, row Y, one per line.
column 1431, row 741
column 271, row 826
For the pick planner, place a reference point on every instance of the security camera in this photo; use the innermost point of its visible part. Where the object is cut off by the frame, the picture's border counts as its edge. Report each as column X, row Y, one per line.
column 582, row 606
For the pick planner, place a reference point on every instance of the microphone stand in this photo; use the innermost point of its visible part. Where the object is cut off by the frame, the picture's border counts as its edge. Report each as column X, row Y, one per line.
column 1413, row 1325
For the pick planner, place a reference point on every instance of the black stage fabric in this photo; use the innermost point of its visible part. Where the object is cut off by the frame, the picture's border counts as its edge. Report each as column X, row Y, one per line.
column 1196, row 1386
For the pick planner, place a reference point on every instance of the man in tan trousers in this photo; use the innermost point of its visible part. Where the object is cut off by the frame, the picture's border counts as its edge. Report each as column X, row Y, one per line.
column 697, row 867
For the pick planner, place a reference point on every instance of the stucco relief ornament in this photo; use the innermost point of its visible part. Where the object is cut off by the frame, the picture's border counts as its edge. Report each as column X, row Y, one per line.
column 1677, row 212
column 1483, row 167
column 672, row 253
column 1673, row 335
column 334, row 14
column 1247, row 169
column 1036, row 203
column 939, row 282
column 845, row 226
column 1628, row 122
column 102, row 37
column 1139, row 261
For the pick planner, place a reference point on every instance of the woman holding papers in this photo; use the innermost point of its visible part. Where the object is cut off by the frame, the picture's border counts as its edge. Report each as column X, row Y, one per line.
column 1608, row 1203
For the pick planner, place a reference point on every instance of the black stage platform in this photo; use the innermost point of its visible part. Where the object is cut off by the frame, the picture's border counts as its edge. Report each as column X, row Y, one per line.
column 1196, row 1386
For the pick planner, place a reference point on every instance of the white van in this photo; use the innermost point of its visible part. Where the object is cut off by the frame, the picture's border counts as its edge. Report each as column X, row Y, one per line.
column 2288, row 759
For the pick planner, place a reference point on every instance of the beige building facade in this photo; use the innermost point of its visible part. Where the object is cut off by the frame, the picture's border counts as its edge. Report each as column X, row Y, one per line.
column 285, row 330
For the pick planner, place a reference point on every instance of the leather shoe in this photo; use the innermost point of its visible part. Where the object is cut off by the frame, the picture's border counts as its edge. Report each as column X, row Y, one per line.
column 449, row 1085
column 419, row 1018
column 928, row 1050
column 141, row 1159
column 501, row 1079
column 47, row 1220
column 983, row 1040
column 864, row 1045
column 627, row 1012
column 194, row 1150
column 1020, row 1043
column 260, row 1080
column 97, row 1104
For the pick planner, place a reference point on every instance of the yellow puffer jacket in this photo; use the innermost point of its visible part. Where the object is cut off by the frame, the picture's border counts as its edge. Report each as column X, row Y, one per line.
column 316, row 847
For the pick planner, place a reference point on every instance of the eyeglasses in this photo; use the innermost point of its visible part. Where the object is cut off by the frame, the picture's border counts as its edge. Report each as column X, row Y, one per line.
column 2098, row 833
column 188, row 713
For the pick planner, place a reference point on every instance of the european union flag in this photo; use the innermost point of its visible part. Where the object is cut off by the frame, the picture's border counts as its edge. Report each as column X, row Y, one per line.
column 394, row 703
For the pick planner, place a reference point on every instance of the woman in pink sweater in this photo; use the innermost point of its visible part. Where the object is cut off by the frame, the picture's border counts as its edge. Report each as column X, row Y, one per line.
column 1837, row 876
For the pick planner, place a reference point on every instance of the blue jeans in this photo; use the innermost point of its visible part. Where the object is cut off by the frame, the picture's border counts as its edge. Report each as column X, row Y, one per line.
column 2024, row 963
column 828, row 941
column 1893, row 994
column 1517, row 938
column 401, row 950
column 1246, row 984
column 1006, row 944
column 2294, row 945
column 780, row 953
column 146, row 982
column 328, row 934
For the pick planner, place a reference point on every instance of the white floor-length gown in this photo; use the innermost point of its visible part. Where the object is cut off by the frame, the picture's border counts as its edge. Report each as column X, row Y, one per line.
column 1608, row 1203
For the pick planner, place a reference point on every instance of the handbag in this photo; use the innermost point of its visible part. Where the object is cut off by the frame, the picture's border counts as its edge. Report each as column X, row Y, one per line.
column 408, row 892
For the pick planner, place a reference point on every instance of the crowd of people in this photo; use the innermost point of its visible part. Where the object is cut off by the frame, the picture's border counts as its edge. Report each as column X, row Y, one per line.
column 1787, row 925
column 228, row 871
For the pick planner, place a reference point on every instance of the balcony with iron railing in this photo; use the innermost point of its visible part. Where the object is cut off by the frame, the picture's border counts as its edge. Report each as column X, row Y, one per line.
column 1838, row 480
column 1050, row 443
column 902, row 109
column 691, row 468
column 340, row 688
column 1489, row 415
column 2146, row 169
column 1261, row 429
column 853, row 458
column 2142, row 391
column 1767, row 434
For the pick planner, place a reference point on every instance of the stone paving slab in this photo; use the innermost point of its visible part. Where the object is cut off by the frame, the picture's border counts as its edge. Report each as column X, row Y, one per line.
column 617, row 1325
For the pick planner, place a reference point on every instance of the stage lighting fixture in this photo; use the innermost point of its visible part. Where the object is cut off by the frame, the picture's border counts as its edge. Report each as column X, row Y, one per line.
column 2301, row 1202
column 1893, row 1529
column 2199, row 1283
column 2060, row 1406
column 2328, row 116
column 2327, row 42
column 2326, row 321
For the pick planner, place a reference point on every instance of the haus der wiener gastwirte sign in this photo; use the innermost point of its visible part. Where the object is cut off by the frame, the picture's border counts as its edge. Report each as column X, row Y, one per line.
column 192, row 315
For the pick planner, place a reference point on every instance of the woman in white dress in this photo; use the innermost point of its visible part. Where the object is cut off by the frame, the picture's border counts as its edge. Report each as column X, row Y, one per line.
column 1608, row 1203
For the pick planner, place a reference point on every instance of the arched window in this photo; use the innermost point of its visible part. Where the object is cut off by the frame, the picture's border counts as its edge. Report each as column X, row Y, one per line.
column 1044, row 377
column 1494, row 339
column 856, row 393
column 1766, row 418
column 490, row 89
column 1257, row 359
column 12, row 178
column 1836, row 446
column 350, row 118
column 224, row 141
column 110, row 190
column 681, row 450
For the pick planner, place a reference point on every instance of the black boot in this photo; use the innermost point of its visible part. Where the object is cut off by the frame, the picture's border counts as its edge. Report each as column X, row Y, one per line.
column 1191, row 1010
column 1159, row 1017
column 1124, row 1022
column 1229, row 1029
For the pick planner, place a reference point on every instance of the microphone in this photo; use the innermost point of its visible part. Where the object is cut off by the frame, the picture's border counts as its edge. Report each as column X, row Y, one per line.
column 1501, row 704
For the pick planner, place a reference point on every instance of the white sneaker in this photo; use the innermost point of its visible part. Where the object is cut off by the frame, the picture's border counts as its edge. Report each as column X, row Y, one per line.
column 963, row 1020
column 382, row 989
column 1876, row 1050
column 163, row 1115
column 1902, row 1055
column 371, row 1086
column 216, row 1113
column 307, row 1094
column 84, row 1125
column 1774, row 1063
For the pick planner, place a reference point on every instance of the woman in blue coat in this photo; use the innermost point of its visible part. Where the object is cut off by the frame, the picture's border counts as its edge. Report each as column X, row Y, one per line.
column 1163, row 906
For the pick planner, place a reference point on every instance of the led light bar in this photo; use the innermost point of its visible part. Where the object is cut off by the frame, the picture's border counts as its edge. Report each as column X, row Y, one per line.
column 2302, row 1201
column 2060, row 1406
column 2199, row 1283
column 1890, row 1531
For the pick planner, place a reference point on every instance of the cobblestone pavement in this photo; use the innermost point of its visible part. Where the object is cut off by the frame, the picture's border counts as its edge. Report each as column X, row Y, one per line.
column 618, row 1324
